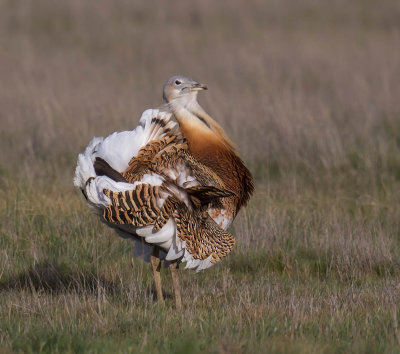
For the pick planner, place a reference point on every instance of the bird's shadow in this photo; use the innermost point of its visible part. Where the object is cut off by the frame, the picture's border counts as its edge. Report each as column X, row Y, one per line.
column 50, row 277
column 53, row 278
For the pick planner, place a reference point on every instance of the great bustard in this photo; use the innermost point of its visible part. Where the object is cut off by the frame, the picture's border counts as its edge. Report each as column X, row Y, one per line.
column 174, row 184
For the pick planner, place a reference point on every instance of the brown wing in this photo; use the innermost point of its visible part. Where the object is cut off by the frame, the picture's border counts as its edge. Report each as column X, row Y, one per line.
column 164, row 153
column 148, row 155
column 202, row 236
column 137, row 207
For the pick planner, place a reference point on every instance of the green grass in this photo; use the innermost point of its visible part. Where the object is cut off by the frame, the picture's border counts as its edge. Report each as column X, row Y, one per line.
column 305, row 281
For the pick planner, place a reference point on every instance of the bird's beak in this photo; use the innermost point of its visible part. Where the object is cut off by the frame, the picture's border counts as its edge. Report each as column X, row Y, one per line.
column 198, row 87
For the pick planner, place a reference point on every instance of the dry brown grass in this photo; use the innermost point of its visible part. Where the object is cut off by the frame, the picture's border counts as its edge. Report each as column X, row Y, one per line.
column 308, row 90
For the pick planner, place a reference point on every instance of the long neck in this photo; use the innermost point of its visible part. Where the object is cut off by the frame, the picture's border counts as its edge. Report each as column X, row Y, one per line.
column 189, row 112
column 209, row 144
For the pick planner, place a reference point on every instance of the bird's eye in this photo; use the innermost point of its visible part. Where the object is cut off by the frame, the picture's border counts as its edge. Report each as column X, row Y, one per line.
column 177, row 82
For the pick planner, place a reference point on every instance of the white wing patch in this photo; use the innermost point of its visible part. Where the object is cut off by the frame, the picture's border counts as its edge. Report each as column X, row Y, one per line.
column 119, row 148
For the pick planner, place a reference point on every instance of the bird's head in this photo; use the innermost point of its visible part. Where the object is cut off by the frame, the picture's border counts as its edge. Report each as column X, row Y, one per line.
column 181, row 88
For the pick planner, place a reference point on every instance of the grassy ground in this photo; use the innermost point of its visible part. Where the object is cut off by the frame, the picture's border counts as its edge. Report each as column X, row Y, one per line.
column 309, row 91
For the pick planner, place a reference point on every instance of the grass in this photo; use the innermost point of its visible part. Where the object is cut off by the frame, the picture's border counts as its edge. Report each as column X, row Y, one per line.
column 308, row 91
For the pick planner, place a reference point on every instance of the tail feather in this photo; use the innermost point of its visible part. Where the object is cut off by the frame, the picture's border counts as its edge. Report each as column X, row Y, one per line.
column 160, row 125
column 84, row 168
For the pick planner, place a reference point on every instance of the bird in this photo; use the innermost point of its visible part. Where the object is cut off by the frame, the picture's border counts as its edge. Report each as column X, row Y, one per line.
column 174, row 184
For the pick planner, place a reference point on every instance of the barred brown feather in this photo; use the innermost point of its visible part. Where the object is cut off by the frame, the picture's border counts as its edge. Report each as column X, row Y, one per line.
column 137, row 207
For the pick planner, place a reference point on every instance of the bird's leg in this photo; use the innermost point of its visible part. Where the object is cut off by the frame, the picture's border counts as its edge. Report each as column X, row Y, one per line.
column 156, row 266
column 173, row 267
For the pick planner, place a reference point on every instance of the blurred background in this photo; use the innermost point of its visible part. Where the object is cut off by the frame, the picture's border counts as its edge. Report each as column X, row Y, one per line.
column 310, row 93
column 310, row 83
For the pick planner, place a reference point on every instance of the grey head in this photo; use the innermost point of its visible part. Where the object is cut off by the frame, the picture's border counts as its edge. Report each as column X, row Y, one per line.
column 181, row 89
